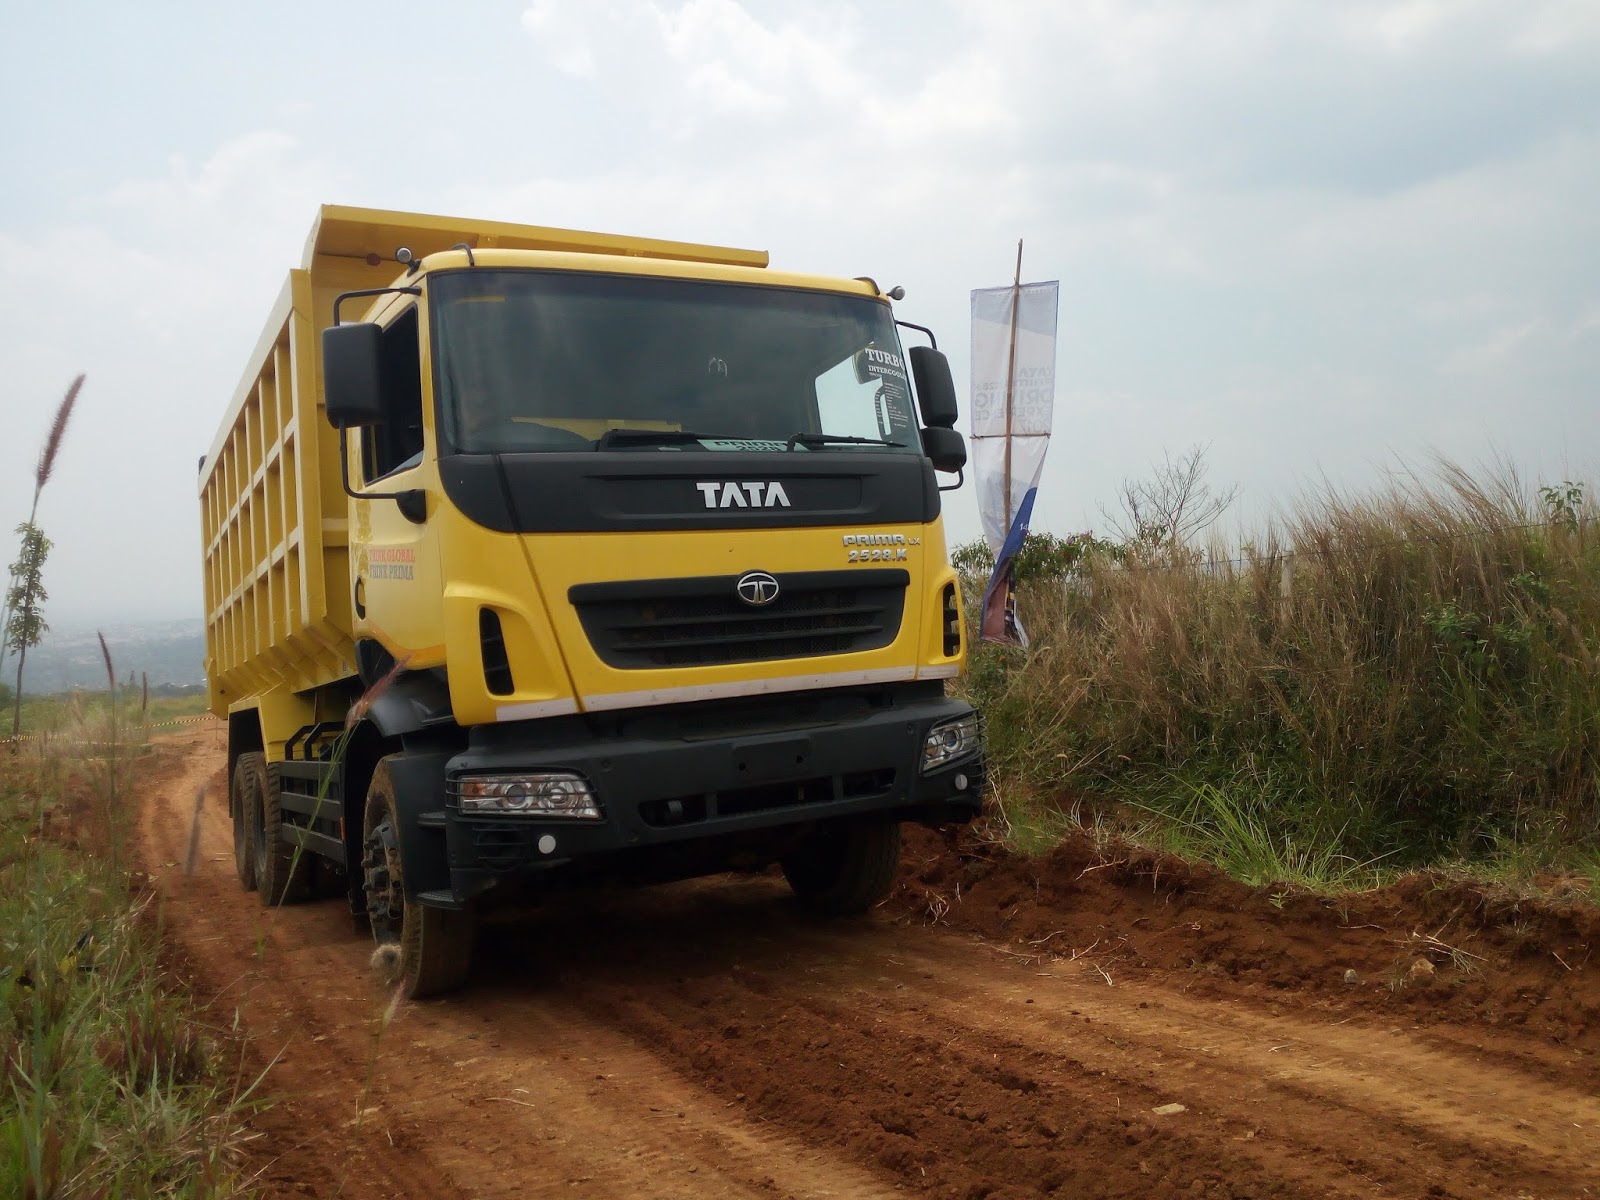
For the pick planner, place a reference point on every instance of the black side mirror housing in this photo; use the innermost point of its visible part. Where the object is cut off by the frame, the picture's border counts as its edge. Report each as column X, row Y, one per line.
column 352, row 375
column 945, row 448
column 936, row 390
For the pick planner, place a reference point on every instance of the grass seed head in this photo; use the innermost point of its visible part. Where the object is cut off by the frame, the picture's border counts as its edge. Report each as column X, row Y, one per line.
column 57, row 434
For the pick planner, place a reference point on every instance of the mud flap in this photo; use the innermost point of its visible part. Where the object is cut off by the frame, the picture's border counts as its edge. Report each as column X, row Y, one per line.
column 418, row 789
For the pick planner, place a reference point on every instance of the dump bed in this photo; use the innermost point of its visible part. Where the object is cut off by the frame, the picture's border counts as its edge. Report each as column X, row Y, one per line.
column 273, row 512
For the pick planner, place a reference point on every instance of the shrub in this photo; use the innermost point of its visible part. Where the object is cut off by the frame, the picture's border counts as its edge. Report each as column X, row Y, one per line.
column 1406, row 673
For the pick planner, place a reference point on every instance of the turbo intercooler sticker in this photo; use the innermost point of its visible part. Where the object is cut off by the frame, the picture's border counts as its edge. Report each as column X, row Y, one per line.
column 891, row 402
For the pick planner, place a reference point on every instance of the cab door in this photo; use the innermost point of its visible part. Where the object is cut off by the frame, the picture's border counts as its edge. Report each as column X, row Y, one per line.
column 394, row 557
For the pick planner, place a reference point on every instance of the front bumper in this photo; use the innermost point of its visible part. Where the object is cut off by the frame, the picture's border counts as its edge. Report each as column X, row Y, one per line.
column 672, row 783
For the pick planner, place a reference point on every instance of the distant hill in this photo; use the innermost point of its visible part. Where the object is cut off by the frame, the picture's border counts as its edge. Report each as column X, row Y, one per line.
column 169, row 652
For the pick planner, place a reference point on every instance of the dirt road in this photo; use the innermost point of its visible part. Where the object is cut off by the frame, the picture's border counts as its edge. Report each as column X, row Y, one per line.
column 708, row 1040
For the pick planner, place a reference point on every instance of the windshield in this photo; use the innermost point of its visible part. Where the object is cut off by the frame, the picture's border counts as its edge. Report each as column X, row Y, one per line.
column 531, row 360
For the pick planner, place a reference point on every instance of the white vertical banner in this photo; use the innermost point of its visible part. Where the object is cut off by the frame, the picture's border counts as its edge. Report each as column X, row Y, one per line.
column 1013, row 401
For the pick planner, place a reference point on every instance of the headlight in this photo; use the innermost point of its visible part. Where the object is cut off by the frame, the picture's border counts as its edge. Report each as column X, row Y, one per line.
column 950, row 740
column 550, row 794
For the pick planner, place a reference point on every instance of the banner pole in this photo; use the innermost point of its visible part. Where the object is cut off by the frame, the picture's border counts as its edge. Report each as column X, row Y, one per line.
column 1011, row 374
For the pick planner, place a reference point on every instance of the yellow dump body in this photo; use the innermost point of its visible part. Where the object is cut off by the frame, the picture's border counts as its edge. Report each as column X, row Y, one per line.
column 274, row 517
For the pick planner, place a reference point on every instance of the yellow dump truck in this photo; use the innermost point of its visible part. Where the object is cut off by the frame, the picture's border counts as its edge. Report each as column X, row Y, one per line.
column 537, row 557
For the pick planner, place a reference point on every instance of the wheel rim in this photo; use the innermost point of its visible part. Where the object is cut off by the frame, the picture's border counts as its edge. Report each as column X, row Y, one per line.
column 384, row 883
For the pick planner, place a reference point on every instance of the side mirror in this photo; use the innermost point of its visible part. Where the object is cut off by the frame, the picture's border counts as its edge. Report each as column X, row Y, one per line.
column 936, row 390
column 945, row 448
column 352, row 375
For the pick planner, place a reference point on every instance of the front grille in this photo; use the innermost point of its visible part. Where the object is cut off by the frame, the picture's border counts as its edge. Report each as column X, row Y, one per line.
column 702, row 621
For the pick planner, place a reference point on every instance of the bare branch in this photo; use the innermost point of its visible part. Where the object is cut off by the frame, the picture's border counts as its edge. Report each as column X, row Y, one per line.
column 1173, row 507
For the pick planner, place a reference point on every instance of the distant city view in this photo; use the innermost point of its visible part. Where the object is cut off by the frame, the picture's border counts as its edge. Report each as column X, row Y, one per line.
column 169, row 653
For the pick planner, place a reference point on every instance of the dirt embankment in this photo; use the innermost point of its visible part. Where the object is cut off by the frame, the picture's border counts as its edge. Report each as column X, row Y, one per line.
column 1430, row 950
column 1024, row 1033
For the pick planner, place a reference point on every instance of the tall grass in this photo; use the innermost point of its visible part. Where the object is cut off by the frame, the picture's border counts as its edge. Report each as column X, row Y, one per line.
column 1410, row 673
column 109, row 1084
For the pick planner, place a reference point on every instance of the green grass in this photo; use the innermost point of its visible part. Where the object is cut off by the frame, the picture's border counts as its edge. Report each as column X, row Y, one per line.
column 110, row 1085
column 58, row 714
column 1419, row 691
column 1243, row 831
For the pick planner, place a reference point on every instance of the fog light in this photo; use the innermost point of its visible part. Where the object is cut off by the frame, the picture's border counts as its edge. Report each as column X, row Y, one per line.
column 561, row 795
column 950, row 740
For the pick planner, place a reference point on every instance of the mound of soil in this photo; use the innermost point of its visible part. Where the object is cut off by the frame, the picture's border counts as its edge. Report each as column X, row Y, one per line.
column 1433, row 948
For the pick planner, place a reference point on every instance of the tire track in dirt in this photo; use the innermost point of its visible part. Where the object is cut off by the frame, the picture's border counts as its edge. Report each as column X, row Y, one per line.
column 445, row 1110
column 1269, row 1076
column 708, row 1040
column 1050, row 1077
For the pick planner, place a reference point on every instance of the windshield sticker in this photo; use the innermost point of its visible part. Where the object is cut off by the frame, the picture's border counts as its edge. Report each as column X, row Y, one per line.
column 872, row 363
column 891, row 409
column 760, row 444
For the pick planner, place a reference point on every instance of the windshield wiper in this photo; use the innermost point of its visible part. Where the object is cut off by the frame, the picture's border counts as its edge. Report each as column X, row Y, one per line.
column 659, row 437
column 837, row 439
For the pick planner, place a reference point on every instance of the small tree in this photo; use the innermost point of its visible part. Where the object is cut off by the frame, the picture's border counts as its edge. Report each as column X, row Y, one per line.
column 23, row 623
column 24, row 602
column 1165, row 513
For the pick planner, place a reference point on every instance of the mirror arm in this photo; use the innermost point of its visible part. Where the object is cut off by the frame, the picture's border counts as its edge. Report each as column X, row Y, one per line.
column 343, row 296
column 961, row 477
column 412, row 502
column 932, row 341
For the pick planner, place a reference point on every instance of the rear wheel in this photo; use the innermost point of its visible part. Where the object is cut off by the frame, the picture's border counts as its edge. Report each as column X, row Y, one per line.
column 846, row 867
column 241, row 805
column 283, row 872
column 435, row 944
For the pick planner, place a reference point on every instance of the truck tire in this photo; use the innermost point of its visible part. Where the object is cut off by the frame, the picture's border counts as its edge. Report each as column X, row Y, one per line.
column 845, row 868
column 240, row 805
column 283, row 872
column 435, row 944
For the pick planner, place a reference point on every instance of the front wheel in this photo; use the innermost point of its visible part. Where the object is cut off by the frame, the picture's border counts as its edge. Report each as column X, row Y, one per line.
column 435, row 944
column 845, row 867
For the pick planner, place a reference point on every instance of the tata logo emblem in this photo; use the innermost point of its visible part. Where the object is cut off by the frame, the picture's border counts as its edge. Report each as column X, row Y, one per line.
column 743, row 495
column 757, row 588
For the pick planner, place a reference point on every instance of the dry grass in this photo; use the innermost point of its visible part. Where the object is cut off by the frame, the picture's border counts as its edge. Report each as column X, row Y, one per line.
column 1407, row 674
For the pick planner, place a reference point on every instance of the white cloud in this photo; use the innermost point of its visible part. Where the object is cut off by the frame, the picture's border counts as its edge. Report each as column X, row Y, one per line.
column 562, row 30
column 158, row 295
column 1500, row 346
column 686, row 61
column 1307, row 233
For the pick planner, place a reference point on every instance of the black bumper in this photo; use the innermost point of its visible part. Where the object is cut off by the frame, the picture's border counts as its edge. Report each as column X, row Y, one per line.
column 669, row 778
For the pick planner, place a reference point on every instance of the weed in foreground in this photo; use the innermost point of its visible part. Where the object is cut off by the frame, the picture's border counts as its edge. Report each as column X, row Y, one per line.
column 109, row 1084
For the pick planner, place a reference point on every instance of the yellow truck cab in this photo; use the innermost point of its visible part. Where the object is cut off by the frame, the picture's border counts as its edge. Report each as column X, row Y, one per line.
column 535, row 556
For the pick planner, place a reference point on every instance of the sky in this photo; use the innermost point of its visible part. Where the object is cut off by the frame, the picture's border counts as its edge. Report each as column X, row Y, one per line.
column 1325, row 240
